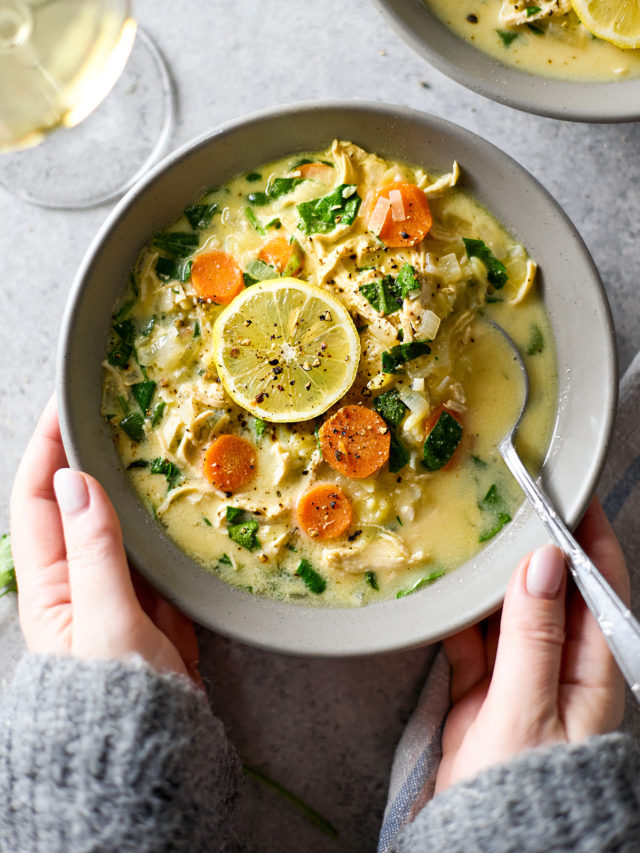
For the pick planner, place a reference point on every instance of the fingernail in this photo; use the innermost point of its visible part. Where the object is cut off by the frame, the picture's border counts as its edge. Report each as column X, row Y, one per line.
column 71, row 491
column 545, row 572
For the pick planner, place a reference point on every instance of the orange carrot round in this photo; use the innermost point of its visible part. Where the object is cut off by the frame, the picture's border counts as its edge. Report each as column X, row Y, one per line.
column 324, row 512
column 314, row 171
column 216, row 276
column 412, row 205
column 230, row 463
column 279, row 253
column 355, row 441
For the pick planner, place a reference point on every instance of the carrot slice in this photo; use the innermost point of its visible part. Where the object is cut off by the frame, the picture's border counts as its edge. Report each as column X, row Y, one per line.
column 230, row 463
column 324, row 512
column 412, row 205
column 216, row 276
column 355, row 441
column 286, row 257
column 314, row 171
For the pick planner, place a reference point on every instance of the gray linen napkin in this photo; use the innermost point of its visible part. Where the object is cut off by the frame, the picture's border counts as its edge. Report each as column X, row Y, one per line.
column 417, row 756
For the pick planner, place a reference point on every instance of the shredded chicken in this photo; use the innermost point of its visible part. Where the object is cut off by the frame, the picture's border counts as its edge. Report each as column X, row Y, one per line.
column 513, row 14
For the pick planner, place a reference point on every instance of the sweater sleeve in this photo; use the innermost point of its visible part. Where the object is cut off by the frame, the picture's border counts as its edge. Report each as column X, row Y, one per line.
column 576, row 798
column 110, row 756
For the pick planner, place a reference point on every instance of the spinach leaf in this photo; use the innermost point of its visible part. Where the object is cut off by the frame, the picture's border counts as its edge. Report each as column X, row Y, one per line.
column 407, row 280
column 539, row 31
column 502, row 518
column 172, row 270
column 7, row 569
column 383, row 294
column 507, row 37
column 258, row 199
column 133, row 426
column 372, row 579
column 157, row 413
column 253, row 221
column 148, row 327
column 119, row 354
column 398, row 455
column 395, row 357
column 390, row 407
column 200, row 215
column 196, row 330
column 314, row 581
column 441, row 442
column 282, row 186
column 496, row 270
column 244, row 533
column 532, row 10
column 225, row 559
column 252, row 177
column 234, row 513
column 420, row 583
column 322, row 215
column 536, row 341
column 124, row 310
column 170, row 471
column 494, row 505
column 176, row 244
column 138, row 463
column 143, row 392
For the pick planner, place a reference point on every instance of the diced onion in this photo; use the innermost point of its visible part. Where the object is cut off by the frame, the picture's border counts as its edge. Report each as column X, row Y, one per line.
column 418, row 407
column 379, row 215
column 455, row 406
column 450, row 268
column 440, row 388
column 429, row 325
column 397, row 206
column 418, row 384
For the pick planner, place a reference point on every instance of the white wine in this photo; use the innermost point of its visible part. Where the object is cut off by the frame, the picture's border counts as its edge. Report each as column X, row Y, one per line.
column 58, row 60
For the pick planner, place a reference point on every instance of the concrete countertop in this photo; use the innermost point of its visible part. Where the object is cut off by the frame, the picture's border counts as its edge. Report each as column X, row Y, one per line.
column 325, row 728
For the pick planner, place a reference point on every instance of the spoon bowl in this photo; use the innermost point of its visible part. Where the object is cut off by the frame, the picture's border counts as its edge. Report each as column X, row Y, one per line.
column 616, row 621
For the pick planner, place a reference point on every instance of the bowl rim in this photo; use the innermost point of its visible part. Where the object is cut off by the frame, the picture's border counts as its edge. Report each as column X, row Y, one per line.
column 553, row 97
column 316, row 643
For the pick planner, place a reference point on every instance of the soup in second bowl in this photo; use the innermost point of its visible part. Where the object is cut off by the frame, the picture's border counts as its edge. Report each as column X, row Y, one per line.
column 545, row 38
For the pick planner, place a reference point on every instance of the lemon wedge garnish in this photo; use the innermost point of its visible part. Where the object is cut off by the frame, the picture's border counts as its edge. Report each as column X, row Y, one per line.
column 286, row 350
column 615, row 21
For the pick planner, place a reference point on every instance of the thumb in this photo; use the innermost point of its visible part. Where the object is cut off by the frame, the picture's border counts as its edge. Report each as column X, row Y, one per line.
column 527, row 667
column 102, row 594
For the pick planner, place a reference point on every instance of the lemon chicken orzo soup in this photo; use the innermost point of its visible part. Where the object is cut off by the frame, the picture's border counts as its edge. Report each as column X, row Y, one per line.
column 571, row 39
column 303, row 384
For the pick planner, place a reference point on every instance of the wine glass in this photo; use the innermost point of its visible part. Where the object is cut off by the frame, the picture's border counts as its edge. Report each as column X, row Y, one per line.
column 86, row 102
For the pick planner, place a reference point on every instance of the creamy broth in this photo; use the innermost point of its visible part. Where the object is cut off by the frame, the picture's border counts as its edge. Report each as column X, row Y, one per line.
column 558, row 47
column 409, row 526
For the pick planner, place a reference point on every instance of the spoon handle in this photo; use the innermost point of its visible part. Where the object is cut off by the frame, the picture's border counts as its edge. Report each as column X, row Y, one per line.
column 618, row 624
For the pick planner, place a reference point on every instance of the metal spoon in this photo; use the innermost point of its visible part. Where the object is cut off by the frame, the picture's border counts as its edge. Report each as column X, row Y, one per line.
column 618, row 624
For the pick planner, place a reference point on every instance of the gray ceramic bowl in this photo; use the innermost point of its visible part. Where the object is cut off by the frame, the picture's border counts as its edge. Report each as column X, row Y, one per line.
column 614, row 101
column 573, row 294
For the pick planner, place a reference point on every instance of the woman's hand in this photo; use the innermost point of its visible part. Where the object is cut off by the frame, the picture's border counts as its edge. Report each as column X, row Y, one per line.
column 548, row 677
column 75, row 592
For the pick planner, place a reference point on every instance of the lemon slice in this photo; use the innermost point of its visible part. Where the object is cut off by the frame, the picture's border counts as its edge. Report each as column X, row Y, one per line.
column 616, row 21
column 286, row 350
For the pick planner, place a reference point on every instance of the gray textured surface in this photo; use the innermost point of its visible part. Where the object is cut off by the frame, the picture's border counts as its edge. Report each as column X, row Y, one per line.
column 326, row 728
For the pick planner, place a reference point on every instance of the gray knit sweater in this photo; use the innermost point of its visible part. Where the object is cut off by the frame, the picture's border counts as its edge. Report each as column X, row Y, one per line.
column 104, row 756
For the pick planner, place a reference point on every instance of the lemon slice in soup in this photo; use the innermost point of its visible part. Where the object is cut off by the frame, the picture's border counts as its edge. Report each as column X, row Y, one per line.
column 286, row 350
column 616, row 21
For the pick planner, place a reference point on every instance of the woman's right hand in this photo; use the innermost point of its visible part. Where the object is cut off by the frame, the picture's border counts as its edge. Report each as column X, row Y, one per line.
column 548, row 677
column 75, row 592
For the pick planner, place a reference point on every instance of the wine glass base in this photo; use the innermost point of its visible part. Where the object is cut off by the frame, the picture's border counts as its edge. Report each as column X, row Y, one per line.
column 99, row 159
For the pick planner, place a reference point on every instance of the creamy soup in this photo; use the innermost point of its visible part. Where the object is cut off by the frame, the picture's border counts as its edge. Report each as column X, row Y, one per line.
column 390, row 476
column 550, row 40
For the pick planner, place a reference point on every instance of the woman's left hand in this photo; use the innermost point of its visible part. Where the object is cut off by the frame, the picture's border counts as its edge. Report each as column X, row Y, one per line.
column 75, row 592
